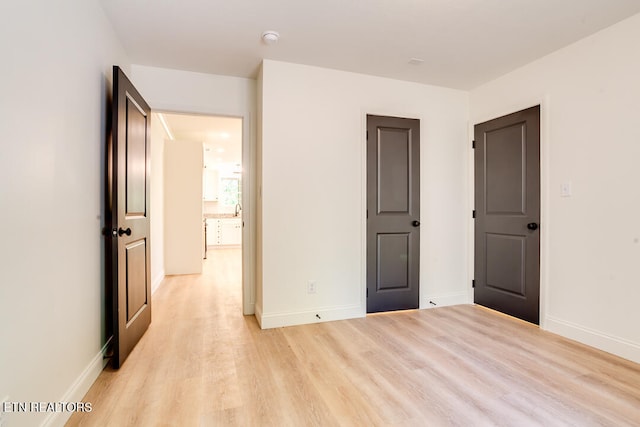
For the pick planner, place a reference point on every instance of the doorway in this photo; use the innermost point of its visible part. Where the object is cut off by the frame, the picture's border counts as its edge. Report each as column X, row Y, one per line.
column 215, row 187
column 393, row 213
column 507, row 215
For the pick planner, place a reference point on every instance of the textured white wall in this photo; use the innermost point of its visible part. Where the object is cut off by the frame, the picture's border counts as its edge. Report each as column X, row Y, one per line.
column 313, row 182
column 183, row 228
column 55, row 82
column 590, row 137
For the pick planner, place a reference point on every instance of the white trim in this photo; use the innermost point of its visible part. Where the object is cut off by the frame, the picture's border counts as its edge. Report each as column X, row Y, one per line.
column 327, row 314
column 605, row 342
column 363, row 213
column 249, row 205
column 545, row 203
column 258, row 313
column 79, row 388
column 156, row 282
column 442, row 300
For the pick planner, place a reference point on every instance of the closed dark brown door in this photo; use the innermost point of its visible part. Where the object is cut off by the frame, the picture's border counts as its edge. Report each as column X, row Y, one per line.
column 128, row 197
column 393, row 213
column 507, row 225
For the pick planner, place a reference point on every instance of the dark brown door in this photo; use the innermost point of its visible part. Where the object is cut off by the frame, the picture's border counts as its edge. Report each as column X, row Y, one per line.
column 128, row 198
column 393, row 213
column 507, row 225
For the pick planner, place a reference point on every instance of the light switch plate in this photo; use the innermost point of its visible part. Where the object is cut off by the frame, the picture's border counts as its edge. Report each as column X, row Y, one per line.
column 565, row 189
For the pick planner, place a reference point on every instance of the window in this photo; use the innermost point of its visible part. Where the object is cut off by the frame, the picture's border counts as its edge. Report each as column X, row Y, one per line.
column 230, row 191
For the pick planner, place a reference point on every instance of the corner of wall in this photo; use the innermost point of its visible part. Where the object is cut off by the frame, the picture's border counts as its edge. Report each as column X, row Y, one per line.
column 156, row 282
column 611, row 344
column 443, row 300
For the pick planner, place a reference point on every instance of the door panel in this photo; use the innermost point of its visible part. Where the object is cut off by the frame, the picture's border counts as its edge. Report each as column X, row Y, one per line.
column 505, row 157
column 136, row 145
column 505, row 257
column 128, row 186
column 136, row 278
column 393, row 204
column 507, row 180
column 393, row 261
column 393, row 175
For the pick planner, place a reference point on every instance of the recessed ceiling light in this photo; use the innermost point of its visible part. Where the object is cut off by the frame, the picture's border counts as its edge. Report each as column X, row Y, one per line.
column 270, row 37
column 220, row 150
column 416, row 61
column 225, row 135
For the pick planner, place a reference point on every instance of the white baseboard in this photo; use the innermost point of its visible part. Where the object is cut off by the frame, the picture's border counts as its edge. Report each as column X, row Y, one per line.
column 276, row 320
column 250, row 309
column 156, row 282
column 324, row 314
column 618, row 346
column 79, row 388
column 441, row 300
column 258, row 313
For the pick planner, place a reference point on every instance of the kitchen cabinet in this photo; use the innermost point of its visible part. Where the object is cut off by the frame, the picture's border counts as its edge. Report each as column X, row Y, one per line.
column 230, row 231
column 210, row 184
column 224, row 231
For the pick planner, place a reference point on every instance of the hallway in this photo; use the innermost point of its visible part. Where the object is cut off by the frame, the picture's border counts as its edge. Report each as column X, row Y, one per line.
column 185, row 361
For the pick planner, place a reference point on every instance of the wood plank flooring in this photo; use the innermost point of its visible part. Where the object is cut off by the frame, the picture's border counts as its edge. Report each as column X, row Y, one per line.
column 204, row 364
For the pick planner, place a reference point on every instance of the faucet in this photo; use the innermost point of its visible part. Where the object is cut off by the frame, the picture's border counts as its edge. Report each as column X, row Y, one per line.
column 238, row 209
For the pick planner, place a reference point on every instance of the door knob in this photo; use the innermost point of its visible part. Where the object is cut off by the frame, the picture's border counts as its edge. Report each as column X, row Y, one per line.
column 122, row 231
column 532, row 226
column 416, row 223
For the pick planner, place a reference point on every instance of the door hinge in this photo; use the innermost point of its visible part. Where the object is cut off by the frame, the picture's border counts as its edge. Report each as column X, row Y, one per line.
column 473, row 144
column 473, row 213
column 367, row 213
column 367, row 292
column 473, row 283
column 367, row 135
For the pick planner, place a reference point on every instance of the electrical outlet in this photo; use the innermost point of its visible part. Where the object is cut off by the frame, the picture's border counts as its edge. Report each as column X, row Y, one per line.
column 312, row 287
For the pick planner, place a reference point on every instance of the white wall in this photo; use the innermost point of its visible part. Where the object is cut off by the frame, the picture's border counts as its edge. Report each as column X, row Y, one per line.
column 157, row 137
column 183, row 228
column 313, row 183
column 184, row 91
column 55, row 84
column 590, row 137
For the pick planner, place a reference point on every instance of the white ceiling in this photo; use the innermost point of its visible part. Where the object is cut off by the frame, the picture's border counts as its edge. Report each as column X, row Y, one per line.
column 221, row 136
column 463, row 43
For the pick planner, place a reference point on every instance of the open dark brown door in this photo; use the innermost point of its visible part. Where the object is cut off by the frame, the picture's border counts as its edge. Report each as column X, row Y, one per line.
column 393, row 213
column 507, row 235
column 128, row 180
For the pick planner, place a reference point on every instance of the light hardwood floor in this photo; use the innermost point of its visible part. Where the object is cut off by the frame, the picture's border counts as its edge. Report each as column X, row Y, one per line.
column 202, row 363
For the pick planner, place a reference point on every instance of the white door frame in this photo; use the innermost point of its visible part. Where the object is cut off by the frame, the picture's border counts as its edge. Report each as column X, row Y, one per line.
column 248, row 204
